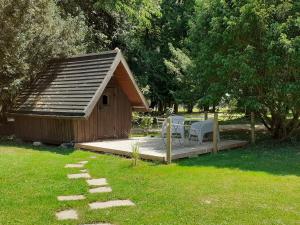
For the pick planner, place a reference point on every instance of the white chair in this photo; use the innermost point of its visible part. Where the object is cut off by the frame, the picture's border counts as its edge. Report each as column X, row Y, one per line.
column 177, row 129
column 199, row 129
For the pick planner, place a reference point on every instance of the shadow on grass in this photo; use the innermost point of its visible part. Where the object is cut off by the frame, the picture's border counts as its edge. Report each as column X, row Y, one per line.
column 43, row 148
column 269, row 157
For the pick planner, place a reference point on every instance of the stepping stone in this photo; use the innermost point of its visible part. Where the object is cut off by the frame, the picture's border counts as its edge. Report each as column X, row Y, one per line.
column 83, row 162
column 70, row 214
column 109, row 204
column 83, row 171
column 79, row 175
column 93, row 157
column 97, row 182
column 100, row 190
column 99, row 224
column 74, row 165
column 71, row 197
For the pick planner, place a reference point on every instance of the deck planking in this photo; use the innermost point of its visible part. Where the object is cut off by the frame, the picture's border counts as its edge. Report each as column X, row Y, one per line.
column 154, row 148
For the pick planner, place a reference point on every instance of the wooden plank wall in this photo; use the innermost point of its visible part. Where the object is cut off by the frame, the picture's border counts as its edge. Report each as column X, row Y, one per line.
column 106, row 123
column 103, row 123
column 46, row 130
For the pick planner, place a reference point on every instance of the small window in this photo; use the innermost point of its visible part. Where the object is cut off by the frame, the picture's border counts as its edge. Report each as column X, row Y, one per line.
column 104, row 100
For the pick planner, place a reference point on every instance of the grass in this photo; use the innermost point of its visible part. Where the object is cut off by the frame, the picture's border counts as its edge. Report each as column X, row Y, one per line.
column 257, row 185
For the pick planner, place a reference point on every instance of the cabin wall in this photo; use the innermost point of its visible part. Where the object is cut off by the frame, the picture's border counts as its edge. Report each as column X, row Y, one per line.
column 46, row 130
column 109, row 122
column 113, row 121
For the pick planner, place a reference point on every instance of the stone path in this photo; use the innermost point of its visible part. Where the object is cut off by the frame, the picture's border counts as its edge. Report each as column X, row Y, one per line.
column 97, row 182
column 98, row 185
column 79, row 175
column 98, row 224
column 70, row 214
column 79, row 165
column 109, row 204
column 100, row 190
column 70, row 198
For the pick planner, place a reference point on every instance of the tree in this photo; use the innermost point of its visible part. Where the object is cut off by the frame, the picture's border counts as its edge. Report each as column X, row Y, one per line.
column 151, row 50
column 112, row 23
column 250, row 50
column 180, row 66
column 32, row 32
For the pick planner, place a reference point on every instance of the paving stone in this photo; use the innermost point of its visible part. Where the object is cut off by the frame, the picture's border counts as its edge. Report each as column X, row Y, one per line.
column 74, row 165
column 109, row 204
column 70, row 214
column 98, row 224
column 100, row 190
column 97, row 182
column 79, row 175
column 83, row 162
column 83, row 170
column 71, row 197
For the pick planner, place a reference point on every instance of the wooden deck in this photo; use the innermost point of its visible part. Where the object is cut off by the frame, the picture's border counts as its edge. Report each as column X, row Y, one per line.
column 154, row 148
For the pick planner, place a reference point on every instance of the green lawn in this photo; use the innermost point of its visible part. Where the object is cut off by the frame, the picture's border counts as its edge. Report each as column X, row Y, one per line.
column 258, row 185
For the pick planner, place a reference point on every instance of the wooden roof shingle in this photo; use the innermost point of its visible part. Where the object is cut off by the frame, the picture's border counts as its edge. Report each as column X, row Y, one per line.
column 70, row 87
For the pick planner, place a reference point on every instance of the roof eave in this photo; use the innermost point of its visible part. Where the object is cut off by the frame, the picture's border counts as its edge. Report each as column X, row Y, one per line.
column 143, row 100
column 17, row 114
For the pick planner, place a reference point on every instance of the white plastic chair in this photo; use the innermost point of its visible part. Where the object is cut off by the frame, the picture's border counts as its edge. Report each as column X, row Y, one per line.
column 177, row 128
column 199, row 129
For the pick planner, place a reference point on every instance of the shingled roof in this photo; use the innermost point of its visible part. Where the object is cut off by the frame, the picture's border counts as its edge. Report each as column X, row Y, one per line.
column 71, row 87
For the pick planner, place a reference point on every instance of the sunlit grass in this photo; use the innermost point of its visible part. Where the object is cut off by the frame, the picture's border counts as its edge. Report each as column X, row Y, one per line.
column 258, row 185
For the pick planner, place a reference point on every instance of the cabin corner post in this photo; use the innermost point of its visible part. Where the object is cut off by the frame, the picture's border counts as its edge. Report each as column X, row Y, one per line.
column 169, row 140
column 215, row 133
column 252, row 128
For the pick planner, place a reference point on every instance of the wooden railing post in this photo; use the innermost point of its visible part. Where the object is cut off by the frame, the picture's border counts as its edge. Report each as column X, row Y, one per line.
column 205, row 115
column 252, row 128
column 169, row 140
column 215, row 133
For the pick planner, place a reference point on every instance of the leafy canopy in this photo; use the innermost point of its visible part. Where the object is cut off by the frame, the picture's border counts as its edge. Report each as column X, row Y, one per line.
column 250, row 50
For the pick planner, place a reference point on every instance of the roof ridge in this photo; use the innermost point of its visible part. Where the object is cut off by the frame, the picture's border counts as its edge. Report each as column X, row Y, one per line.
column 116, row 50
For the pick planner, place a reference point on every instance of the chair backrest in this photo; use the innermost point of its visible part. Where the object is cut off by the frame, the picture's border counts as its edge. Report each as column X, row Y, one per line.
column 179, row 120
column 177, row 123
column 206, row 125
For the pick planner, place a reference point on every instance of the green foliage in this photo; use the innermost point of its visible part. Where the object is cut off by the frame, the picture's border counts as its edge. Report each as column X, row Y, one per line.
column 112, row 23
column 250, row 51
column 135, row 148
column 180, row 66
column 32, row 32
column 150, row 51
column 143, row 121
column 146, row 123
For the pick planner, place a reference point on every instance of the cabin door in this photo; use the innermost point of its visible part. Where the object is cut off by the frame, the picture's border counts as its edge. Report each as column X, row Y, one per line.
column 107, row 111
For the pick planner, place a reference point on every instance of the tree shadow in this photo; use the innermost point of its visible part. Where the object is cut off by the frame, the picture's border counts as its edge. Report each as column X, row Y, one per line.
column 273, row 158
column 44, row 148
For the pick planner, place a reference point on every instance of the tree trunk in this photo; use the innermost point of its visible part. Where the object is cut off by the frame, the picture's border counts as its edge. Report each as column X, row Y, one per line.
column 280, row 127
column 153, row 104
column 160, row 107
column 190, row 108
column 175, row 108
column 206, row 108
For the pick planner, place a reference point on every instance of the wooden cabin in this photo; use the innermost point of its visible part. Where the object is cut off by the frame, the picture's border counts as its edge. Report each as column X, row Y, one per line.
column 79, row 99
